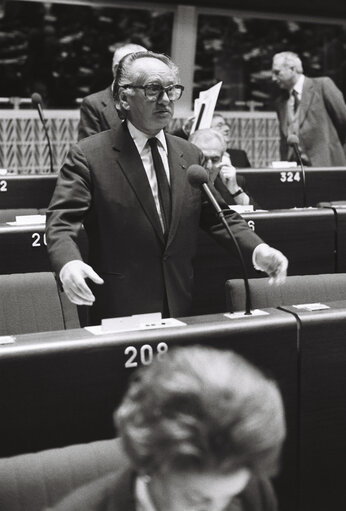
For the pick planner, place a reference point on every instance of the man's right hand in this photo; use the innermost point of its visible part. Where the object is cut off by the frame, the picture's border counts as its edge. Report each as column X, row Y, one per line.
column 72, row 276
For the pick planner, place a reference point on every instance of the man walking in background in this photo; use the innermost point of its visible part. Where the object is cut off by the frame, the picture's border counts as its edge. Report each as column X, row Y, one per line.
column 313, row 109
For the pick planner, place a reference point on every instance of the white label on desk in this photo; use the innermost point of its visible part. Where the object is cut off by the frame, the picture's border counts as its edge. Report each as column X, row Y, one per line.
column 29, row 220
column 284, row 164
column 241, row 209
column 237, row 315
column 312, row 306
column 7, row 339
column 163, row 323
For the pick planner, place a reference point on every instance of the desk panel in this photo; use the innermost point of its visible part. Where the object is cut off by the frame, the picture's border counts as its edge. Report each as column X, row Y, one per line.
column 305, row 236
column 283, row 188
column 24, row 248
column 322, row 439
column 26, row 191
column 59, row 388
column 340, row 213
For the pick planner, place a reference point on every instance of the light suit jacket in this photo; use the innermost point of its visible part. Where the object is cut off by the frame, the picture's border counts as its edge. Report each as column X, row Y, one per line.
column 322, row 123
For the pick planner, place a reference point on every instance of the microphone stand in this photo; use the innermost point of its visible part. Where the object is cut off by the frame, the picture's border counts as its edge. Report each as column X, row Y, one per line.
column 221, row 215
column 296, row 150
column 40, row 113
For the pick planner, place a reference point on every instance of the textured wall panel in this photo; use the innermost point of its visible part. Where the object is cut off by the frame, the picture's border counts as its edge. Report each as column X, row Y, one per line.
column 23, row 148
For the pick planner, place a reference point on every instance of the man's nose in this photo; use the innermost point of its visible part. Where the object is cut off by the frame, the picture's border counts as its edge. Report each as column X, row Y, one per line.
column 163, row 98
column 208, row 164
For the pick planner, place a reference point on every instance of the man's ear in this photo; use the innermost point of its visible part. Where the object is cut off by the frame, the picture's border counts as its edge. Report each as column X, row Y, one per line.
column 122, row 97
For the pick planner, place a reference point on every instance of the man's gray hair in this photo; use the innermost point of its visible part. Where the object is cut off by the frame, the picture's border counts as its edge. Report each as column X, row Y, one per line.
column 205, row 135
column 121, row 50
column 290, row 59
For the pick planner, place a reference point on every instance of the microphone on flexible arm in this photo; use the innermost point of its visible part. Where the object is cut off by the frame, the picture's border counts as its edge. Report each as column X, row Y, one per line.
column 198, row 178
column 293, row 141
column 36, row 100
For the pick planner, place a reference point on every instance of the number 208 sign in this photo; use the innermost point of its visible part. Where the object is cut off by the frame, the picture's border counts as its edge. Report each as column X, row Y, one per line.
column 144, row 355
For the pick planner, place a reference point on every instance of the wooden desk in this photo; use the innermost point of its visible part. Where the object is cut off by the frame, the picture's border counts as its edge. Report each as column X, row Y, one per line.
column 59, row 388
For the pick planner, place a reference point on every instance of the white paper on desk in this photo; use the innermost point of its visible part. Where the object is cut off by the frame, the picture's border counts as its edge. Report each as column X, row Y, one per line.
column 29, row 220
column 208, row 98
column 284, row 164
column 239, row 208
column 312, row 306
column 7, row 339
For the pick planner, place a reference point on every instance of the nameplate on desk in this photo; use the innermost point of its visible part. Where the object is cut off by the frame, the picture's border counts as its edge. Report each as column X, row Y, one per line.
column 312, row 306
column 241, row 209
column 7, row 339
column 284, row 164
column 133, row 323
column 29, row 220
column 237, row 315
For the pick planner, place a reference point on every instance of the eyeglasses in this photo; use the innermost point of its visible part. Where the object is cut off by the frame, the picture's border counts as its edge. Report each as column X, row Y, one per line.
column 213, row 159
column 155, row 91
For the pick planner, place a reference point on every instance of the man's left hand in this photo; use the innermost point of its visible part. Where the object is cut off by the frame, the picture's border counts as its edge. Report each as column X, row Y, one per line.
column 271, row 261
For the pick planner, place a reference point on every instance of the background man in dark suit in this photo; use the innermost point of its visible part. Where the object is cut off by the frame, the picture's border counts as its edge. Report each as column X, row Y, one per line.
column 98, row 111
column 129, row 187
column 313, row 109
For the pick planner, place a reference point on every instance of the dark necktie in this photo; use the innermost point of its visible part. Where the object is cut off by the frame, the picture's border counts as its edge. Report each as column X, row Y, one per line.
column 295, row 100
column 162, row 184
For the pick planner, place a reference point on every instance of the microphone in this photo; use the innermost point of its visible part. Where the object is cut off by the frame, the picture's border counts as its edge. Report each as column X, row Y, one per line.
column 198, row 178
column 36, row 100
column 293, row 141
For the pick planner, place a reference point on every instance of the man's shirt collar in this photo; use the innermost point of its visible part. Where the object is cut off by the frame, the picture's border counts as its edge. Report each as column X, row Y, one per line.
column 299, row 85
column 140, row 138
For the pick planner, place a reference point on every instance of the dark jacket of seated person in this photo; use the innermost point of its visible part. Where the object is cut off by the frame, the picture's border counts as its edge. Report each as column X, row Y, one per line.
column 202, row 429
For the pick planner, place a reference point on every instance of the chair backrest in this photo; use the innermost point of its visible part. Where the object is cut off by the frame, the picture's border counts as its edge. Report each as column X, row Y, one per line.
column 296, row 289
column 32, row 302
column 33, row 482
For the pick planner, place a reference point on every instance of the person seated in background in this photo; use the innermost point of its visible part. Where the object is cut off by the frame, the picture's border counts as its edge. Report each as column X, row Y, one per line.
column 238, row 157
column 222, row 173
column 202, row 429
column 98, row 111
column 185, row 128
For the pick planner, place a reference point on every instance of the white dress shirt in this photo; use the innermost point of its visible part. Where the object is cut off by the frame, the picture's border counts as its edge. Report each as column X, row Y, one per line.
column 298, row 87
column 140, row 139
column 143, row 500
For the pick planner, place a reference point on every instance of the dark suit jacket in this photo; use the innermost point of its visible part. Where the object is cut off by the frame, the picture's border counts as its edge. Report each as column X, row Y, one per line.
column 97, row 113
column 239, row 158
column 103, row 184
column 115, row 492
column 322, row 123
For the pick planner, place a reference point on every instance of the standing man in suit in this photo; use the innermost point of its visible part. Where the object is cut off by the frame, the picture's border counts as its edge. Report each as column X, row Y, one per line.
column 129, row 187
column 98, row 111
column 313, row 109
